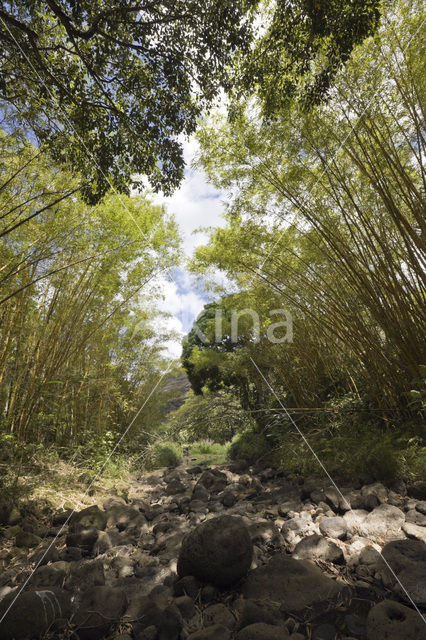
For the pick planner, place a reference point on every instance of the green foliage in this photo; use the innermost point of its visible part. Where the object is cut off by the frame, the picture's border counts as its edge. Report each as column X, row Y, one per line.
column 304, row 46
column 341, row 246
column 206, row 447
column 216, row 416
column 162, row 454
column 364, row 451
column 78, row 316
column 206, row 453
column 419, row 395
column 251, row 445
column 108, row 87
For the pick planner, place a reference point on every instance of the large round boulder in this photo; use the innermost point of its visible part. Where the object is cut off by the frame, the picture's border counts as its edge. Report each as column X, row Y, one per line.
column 218, row 551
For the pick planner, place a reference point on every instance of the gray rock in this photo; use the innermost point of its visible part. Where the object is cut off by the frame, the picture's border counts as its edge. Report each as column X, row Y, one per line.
column 89, row 517
column 407, row 559
column 123, row 515
column 385, row 521
column 215, row 632
column 99, row 609
column 325, row 631
column 239, row 466
column 218, row 551
column 290, row 506
column 415, row 517
column 421, row 506
column 316, row 547
column 334, row 527
column 186, row 607
column 187, row 586
column 355, row 625
column 70, row 554
column 299, row 586
column 43, row 556
column 174, row 487
column 61, row 517
column 200, row 493
column 336, row 500
column 213, row 480
column 250, row 611
column 353, row 519
column 52, row 575
column 414, row 531
column 394, row 621
column 218, row 614
column 14, row 516
column 26, row 539
column 294, row 529
column 84, row 574
column 262, row 631
column 209, row 593
column 375, row 490
column 417, row 490
column 229, row 498
column 32, row 612
column 143, row 611
column 265, row 532
column 89, row 540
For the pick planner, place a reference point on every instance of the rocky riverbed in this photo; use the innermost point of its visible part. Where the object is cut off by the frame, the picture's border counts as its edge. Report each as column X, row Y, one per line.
column 220, row 553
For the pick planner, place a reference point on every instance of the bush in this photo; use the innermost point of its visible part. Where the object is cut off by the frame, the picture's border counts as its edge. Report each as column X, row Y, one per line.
column 348, row 454
column 163, row 454
column 249, row 445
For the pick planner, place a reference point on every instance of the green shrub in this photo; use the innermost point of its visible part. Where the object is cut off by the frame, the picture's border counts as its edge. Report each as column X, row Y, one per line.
column 163, row 454
column 251, row 445
column 352, row 453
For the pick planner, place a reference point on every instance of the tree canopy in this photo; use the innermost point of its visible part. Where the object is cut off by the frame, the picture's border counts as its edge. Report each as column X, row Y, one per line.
column 109, row 86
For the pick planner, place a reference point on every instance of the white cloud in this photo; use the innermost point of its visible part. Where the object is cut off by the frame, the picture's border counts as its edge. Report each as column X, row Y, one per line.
column 183, row 303
column 195, row 204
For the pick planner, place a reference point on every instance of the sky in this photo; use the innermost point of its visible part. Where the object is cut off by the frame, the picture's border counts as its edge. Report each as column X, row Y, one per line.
column 195, row 204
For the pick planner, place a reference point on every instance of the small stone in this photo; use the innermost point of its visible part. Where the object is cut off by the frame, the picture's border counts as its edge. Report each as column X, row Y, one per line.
column 186, row 607
column 218, row 614
column 421, row 506
column 385, row 521
column 325, row 632
column 262, row 631
column 99, row 609
column 26, row 540
column 250, row 611
column 188, row 585
column 355, row 625
column 414, row 531
column 316, row 547
column 89, row 517
column 215, row 632
column 334, row 527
